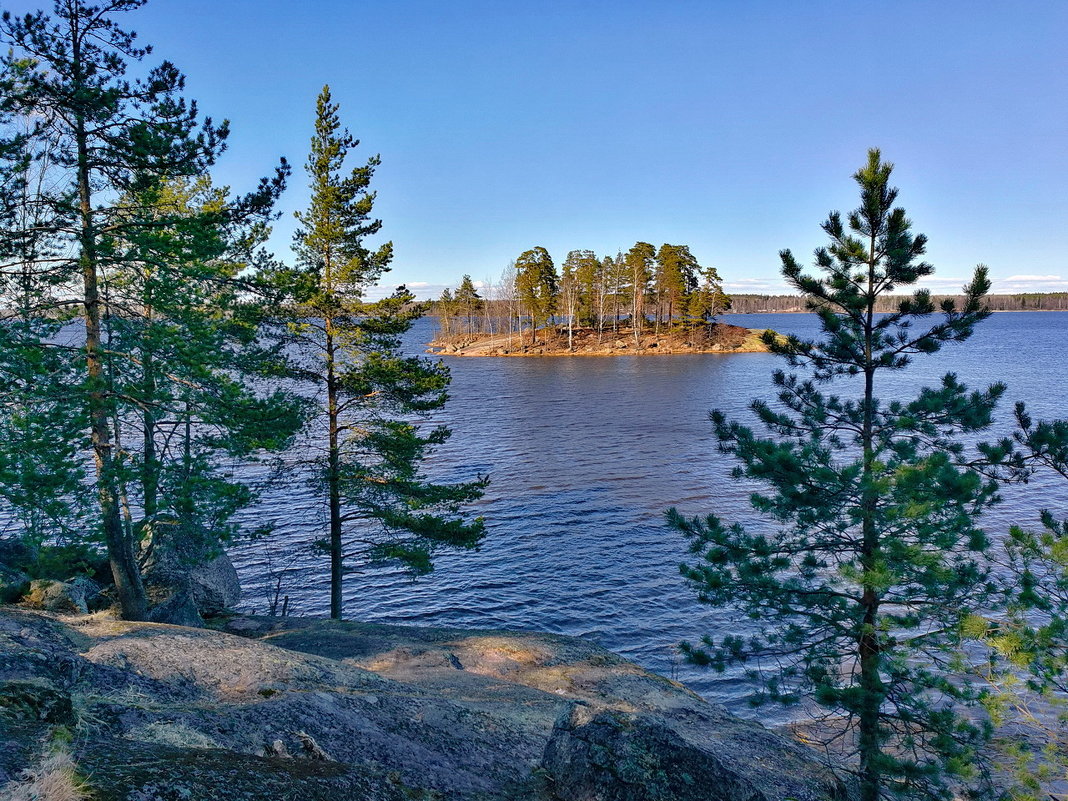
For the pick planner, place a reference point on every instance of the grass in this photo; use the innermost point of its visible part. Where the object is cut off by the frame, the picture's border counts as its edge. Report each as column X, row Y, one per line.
column 54, row 779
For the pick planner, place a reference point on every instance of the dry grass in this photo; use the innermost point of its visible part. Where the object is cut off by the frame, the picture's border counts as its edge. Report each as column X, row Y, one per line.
column 174, row 734
column 55, row 779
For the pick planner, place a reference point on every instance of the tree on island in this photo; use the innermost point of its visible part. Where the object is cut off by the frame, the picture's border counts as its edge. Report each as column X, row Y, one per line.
column 676, row 278
column 871, row 558
column 108, row 146
column 639, row 260
column 378, row 502
column 706, row 299
column 537, row 285
column 467, row 298
column 571, row 294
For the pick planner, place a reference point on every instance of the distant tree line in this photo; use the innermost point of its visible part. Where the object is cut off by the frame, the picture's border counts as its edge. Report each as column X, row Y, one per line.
column 1027, row 301
column 646, row 288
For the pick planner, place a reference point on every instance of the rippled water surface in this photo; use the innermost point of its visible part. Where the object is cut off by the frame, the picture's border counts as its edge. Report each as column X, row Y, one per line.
column 585, row 454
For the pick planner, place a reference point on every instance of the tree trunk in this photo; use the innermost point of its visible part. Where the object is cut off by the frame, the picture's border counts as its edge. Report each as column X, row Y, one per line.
column 121, row 556
column 571, row 329
column 150, row 460
column 872, row 691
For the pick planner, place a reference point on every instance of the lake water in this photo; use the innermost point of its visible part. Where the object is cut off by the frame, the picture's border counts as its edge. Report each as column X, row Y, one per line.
column 585, row 454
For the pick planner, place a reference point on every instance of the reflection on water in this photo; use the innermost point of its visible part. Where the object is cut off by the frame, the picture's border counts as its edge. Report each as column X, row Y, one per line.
column 585, row 454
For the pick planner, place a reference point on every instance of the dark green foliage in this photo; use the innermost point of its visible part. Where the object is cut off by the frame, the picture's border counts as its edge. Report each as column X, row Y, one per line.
column 103, row 230
column 706, row 300
column 394, row 511
column 379, row 505
column 639, row 264
column 186, row 362
column 537, row 285
column 676, row 277
column 868, row 557
column 468, row 301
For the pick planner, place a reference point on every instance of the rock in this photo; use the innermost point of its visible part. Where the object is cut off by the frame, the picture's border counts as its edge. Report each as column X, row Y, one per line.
column 14, row 556
column 216, row 586
column 201, row 570
column 71, row 597
column 610, row 755
column 315, row 709
column 178, row 610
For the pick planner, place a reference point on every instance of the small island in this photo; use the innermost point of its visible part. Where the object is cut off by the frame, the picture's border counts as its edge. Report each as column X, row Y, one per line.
column 552, row 341
column 646, row 301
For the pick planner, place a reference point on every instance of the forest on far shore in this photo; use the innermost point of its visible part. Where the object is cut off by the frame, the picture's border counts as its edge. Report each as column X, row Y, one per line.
column 1027, row 301
column 782, row 304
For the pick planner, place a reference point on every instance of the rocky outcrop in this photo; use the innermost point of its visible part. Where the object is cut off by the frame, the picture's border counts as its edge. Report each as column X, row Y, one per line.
column 609, row 755
column 310, row 709
column 187, row 581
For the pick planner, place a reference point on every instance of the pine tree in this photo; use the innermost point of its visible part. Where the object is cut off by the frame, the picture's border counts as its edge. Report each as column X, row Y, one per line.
column 570, row 295
column 585, row 266
column 106, row 136
column 468, row 299
column 186, row 365
column 871, row 557
column 706, row 300
column 1026, row 637
column 536, row 283
column 676, row 277
column 446, row 307
column 377, row 502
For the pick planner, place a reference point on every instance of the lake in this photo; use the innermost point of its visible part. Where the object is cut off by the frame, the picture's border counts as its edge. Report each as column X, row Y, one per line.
column 585, row 454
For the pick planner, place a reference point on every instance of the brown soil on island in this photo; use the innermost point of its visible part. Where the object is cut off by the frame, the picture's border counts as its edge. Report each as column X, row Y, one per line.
column 719, row 338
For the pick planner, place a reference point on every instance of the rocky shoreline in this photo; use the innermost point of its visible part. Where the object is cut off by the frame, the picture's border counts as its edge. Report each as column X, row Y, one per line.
column 723, row 338
column 255, row 708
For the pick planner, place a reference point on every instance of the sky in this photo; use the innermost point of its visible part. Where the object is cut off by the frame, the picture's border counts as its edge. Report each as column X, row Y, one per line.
column 732, row 127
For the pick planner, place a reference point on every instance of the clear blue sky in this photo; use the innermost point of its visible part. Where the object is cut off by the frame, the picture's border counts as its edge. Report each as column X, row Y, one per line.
column 729, row 126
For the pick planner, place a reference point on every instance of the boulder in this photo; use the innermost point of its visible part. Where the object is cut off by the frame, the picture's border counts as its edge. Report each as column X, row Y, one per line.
column 70, row 597
column 180, row 609
column 196, row 573
column 15, row 553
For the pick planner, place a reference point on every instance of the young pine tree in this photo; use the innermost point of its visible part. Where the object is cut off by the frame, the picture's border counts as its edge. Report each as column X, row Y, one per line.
column 676, row 277
column 378, row 502
column 871, row 556
column 186, row 365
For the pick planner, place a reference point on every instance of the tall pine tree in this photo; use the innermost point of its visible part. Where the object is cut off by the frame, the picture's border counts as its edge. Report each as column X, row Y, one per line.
column 107, row 137
column 378, row 502
column 870, row 558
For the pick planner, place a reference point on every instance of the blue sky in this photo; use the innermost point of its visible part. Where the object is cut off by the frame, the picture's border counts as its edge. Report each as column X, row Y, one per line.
column 729, row 126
